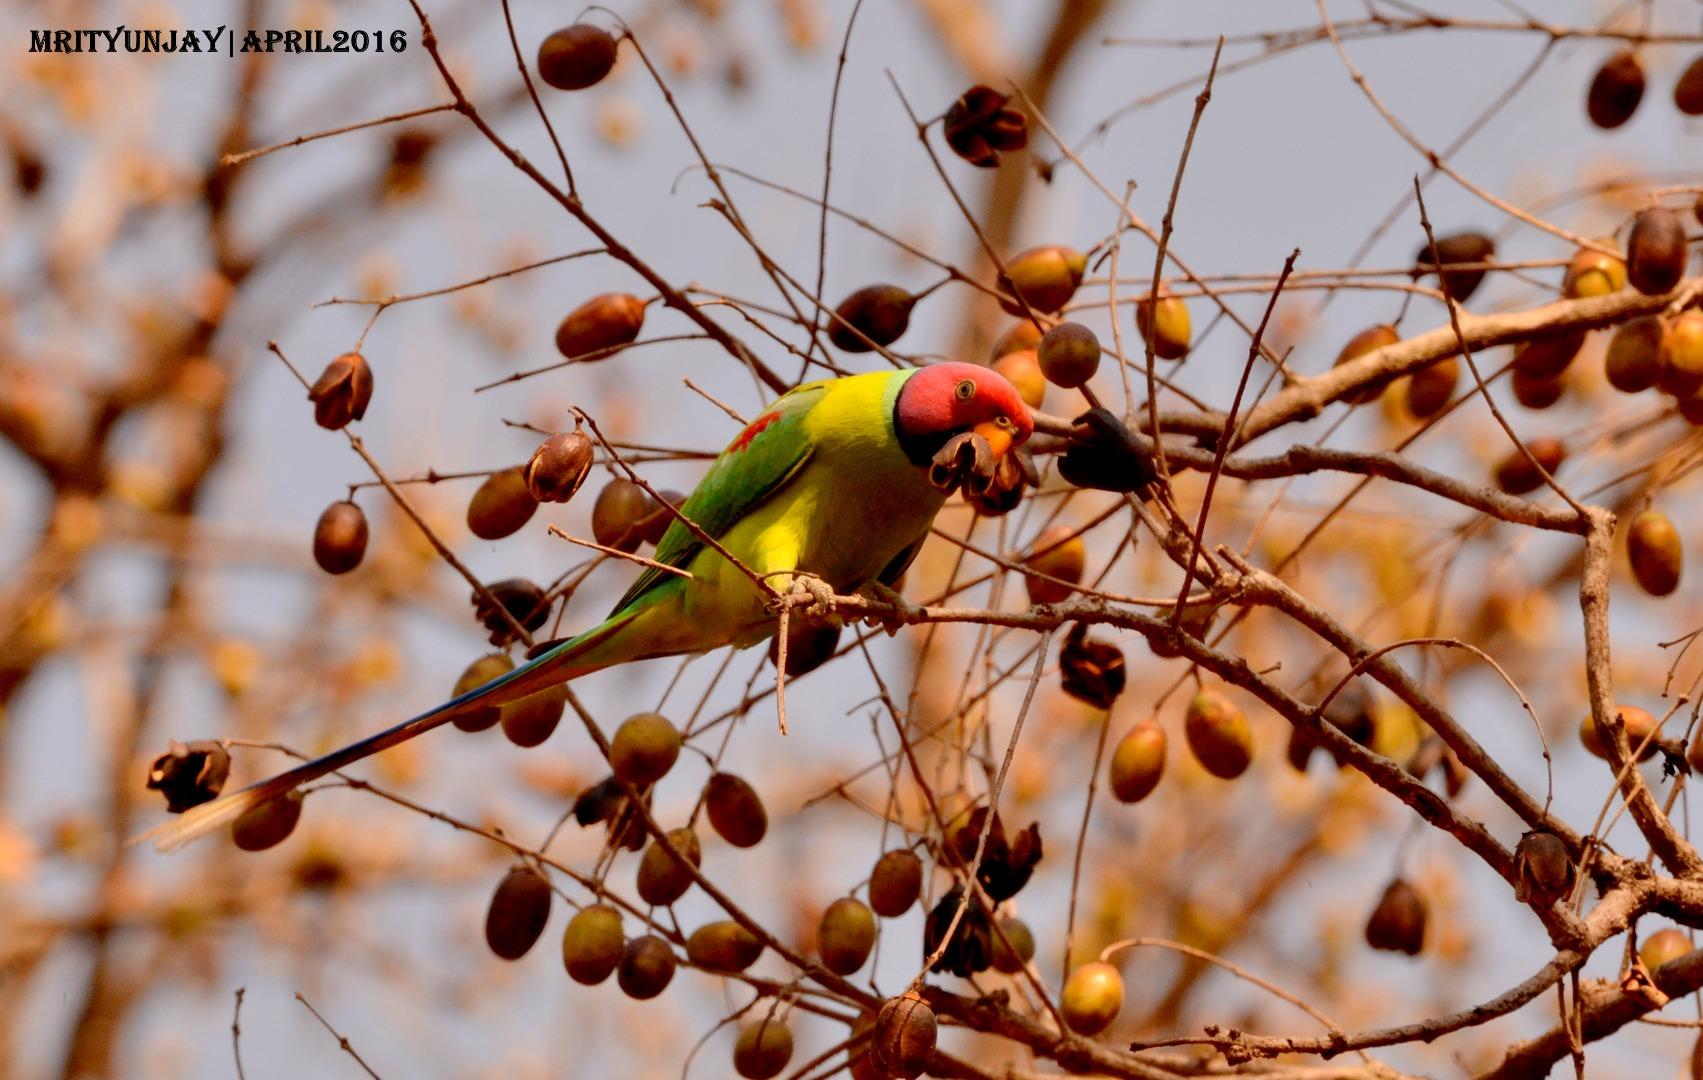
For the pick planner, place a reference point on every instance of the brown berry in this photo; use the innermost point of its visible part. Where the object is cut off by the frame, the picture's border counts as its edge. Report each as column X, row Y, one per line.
column 762, row 1049
column 342, row 391
column 1138, row 761
column 1017, row 337
column 1688, row 91
column 1616, row 90
column 1655, row 251
column 810, row 643
column 1430, row 388
column 340, row 538
column 904, row 1036
column 600, row 325
column 647, row 967
column 576, row 56
column 559, row 466
column 1545, row 870
column 655, row 524
column 735, row 811
column 845, row 935
column 1022, row 369
column 267, row 824
column 1538, row 392
column 1547, row 357
column 1640, row 728
column 189, row 774
column 895, row 883
column 1592, row 273
column 592, row 944
column 979, row 125
column 1633, row 362
column 723, row 946
column 1397, row 923
column 478, row 673
column 618, row 515
column 1218, row 735
column 519, row 909
column 1045, row 277
column 1654, row 550
column 1663, row 947
column 501, row 505
column 875, row 315
column 1069, row 354
column 1062, row 556
column 1170, row 332
column 663, row 876
column 1366, row 341
column 532, row 719
column 1516, row 475
column 1454, row 250
column 1013, row 945
column 1681, row 371
column 1092, row 998
column 644, row 748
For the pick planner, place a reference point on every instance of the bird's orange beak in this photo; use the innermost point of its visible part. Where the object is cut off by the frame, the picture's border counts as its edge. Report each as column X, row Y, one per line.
column 998, row 437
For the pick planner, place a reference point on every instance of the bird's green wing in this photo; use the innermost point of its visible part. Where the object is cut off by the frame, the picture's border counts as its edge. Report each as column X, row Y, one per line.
column 756, row 464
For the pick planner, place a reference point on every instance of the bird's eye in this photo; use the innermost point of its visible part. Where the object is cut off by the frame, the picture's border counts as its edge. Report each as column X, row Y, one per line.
column 1005, row 422
column 965, row 390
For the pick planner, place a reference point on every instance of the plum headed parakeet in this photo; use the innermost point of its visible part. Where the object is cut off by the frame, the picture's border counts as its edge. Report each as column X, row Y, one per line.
column 837, row 480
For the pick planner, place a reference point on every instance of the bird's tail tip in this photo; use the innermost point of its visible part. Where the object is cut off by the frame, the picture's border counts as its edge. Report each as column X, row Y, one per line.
column 198, row 821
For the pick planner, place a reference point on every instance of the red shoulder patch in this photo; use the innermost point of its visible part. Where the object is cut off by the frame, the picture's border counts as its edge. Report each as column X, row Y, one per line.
column 751, row 431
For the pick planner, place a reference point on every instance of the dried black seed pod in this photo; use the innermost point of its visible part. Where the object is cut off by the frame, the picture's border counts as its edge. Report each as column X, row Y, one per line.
column 340, row 538
column 971, row 947
column 606, row 801
column 190, row 774
column 1006, row 864
column 521, row 598
column 1106, row 456
column 1091, row 671
column 342, row 391
column 979, row 126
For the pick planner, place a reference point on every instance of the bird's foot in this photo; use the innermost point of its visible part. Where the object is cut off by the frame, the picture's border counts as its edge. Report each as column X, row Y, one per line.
column 812, row 594
column 894, row 618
